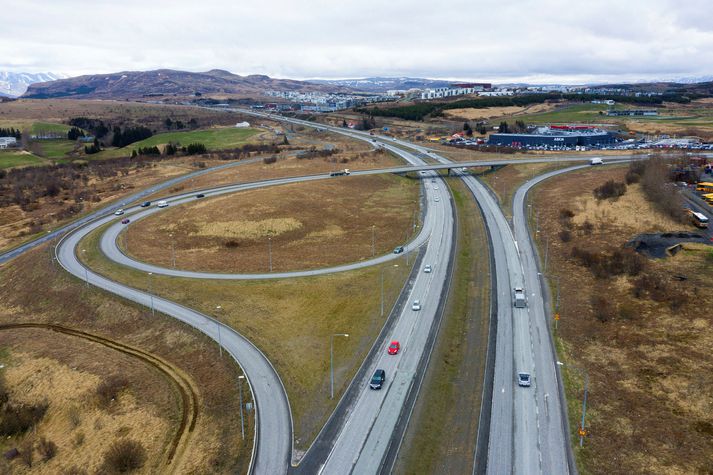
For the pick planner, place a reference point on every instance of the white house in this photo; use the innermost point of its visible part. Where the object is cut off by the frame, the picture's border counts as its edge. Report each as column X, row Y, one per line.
column 6, row 142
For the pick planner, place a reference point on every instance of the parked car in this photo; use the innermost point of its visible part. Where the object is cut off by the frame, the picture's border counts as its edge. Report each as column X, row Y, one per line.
column 200, row 195
column 125, row 221
column 523, row 379
column 428, row 269
column 145, row 204
column 416, row 305
column 162, row 204
column 378, row 379
column 398, row 250
column 119, row 212
column 394, row 347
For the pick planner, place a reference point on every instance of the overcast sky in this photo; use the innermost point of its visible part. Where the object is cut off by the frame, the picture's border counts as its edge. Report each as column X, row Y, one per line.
column 502, row 40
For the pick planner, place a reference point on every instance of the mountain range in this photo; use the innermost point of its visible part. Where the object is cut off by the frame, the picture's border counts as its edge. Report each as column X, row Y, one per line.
column 383, row 84
column 15, row 84
column 168, row 82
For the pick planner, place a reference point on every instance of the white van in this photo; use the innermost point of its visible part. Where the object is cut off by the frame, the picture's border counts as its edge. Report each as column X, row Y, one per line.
column 162, row 204
column 596, row 161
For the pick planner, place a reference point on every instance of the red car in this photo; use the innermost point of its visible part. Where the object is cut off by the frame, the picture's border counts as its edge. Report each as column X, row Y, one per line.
column 394, row 347
column 125, row 221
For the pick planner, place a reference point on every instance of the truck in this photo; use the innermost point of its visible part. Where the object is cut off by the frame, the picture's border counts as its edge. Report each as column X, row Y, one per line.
column 519, row 297
column 340, row 172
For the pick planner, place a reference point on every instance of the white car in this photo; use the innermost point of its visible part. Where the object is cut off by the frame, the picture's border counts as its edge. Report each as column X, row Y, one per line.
column 596, row 161
column 523, row 379
column 416, row 305
column 162, row 204
column 118, row 212
column 427, row 269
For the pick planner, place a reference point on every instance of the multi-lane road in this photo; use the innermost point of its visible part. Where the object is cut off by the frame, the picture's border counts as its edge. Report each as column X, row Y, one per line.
column 527, row 425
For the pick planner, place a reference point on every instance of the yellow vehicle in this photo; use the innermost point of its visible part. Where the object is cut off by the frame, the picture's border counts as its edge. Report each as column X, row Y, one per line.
column 704, row 187
column 708, row 197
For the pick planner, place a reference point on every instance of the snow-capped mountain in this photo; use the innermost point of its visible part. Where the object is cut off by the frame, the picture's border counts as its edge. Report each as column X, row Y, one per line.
column 15, row 84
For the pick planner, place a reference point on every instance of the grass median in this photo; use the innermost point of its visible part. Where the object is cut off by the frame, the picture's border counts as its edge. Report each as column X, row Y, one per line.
column 441, row 436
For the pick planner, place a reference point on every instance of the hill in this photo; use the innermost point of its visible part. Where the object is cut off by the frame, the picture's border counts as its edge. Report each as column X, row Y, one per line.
column 168, row 82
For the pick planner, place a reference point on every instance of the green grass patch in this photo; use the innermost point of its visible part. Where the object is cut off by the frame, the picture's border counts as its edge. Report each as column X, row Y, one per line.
column 213, row 139
column 56, row 149
column 16, row 158
column 49, row 127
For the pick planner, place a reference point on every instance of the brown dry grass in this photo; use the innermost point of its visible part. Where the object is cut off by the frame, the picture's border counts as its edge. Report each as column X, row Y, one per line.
column 310, row 225
column 34, row 290
column 650, row 366
column 290, row 320
column 486, row 113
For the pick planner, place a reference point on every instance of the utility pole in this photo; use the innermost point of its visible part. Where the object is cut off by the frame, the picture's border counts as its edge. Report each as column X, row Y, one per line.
column 373, row 240
column 173, row 252
column 331, row 361
column 242, row 422
column 382, row 290
column 220, row 343
column 153, row 312
column 269, row 252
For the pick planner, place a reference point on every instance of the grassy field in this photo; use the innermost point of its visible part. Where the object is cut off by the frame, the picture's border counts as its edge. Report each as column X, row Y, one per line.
column 645, row 347
column 442, row 434
column 230, row 233
column 290, row 321
column 214, row 139
column 49, row 127
column 66, row 372
column 56, row 149
column 16, row 158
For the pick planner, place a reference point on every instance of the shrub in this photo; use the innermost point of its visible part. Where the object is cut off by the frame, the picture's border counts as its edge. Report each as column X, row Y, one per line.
column 109, row 389
column 566, row 214
column 231, row 244
column 195, row 149
column 610, row 190
column 270, row 159
column 604, row 309
column 125, row 455
column 565, row 235
column 18, row 419
column 26, row 452
column 47, row 448
column 587, row 228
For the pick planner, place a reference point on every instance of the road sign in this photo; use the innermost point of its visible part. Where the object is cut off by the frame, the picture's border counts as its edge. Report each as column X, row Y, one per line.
column 557, row 316
column 582, row 432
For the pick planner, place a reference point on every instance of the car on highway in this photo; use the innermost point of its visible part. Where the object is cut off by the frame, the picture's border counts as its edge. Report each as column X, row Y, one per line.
column 145, row 204
column 416, row 305
column 200, row 195
column 125, row 221
column 162, row 204
column 398, row 249
column 596, row 161
column 523, row 379
column 378, row 379
column 428, row 269
column 119, row 212
column 394, row 347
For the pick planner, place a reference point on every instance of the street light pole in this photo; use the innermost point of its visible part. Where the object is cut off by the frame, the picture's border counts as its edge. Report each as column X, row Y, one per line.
column 382, row 290
column 173, row 252
column 86, row 271
column 269, row 251
column 242, row 421
column 331, row 361
column 153, row 312
column 585, row 375
column 373, row 240
column 220, row 343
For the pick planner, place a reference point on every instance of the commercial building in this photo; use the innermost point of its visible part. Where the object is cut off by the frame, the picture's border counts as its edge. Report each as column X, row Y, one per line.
column 458, row 89
column 555, row 137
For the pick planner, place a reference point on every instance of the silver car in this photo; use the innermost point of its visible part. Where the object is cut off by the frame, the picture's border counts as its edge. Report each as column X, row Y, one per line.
column 523, row 379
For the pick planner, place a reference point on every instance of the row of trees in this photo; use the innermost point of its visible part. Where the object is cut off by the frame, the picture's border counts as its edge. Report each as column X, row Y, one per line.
column 129, row 135
column 11, row 132
column 420, row 110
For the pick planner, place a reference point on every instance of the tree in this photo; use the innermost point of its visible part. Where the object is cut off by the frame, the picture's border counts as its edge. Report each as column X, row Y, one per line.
column 503, row 128
column 74, row 133
column 168, row 122
column 467, row 129
column 195, row 149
